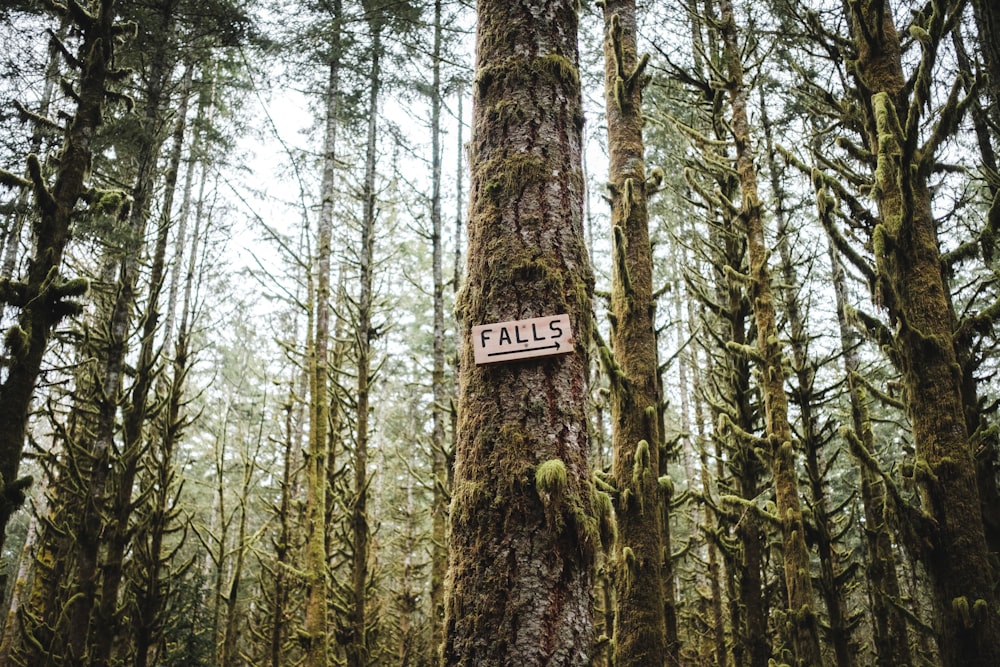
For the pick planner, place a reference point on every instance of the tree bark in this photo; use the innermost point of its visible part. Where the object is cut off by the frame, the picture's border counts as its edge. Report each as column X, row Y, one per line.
column 45, row 291
column 912, row 289
column 801, row 614
column 439, row 390
column 640, row 631
column 522, row 543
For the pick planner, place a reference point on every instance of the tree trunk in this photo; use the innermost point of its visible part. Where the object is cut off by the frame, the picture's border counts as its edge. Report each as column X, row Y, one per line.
column 150, row 591
column 831, row 588
column 911, row 286
column 888, row 621
column 359, row 646
column 45, row 292
column 439, row 453
column 801, row 614
column 523, row 525
column 316, row 619
column 640, row 632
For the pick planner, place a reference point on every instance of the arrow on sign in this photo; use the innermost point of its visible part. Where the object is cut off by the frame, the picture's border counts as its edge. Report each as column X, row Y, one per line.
column 522, row 339
column 555, row 346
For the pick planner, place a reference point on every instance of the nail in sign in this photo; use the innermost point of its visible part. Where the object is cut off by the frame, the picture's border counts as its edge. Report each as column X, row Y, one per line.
column 522, row 339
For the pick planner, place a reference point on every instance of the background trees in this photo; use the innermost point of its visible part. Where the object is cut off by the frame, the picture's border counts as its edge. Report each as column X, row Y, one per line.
column 227, row 279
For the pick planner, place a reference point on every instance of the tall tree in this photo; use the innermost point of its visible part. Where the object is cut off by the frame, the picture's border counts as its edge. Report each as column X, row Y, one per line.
column 320, row 459
column 641, row 634
column 523, row 526
column 439, row 447
column 41, row 298
column 912, row 288
column 801, row 617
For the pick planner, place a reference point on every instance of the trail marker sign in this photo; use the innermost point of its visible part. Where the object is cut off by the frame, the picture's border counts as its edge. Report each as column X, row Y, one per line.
column 522, row 339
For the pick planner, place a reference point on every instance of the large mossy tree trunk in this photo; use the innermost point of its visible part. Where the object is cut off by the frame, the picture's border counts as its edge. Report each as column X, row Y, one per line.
column 41, row 298
column 801, row 618
column 524, row 530
column 640, row 629
column 911, row 286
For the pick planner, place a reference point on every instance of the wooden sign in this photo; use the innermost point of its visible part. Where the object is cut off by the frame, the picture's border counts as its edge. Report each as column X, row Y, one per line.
column 522, row 339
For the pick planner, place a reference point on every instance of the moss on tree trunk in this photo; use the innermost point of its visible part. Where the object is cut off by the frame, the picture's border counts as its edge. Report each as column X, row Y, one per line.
column 911, row 287
column 641, row 634
column 523, row 534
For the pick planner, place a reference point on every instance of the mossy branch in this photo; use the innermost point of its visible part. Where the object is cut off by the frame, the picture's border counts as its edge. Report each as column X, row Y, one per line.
column 734, row 276
column 745, row 351
column 614, row 372
column 875, row 329
column 727, row 426
column 621, row 260
column 949, row 117
column 14, row 293
column 982, row 322
column 107, row 202
column 12, row 180
column 69, row 91
column 861, row 453
column 46, row 202
column 752, row 507
column 39, row 120
column 654, row 182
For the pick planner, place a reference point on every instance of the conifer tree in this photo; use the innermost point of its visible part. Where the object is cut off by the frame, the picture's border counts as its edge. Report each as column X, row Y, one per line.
column 803, row 624
column 641, row 632
column 42, row 299
column 911, row 286
column 524, row 529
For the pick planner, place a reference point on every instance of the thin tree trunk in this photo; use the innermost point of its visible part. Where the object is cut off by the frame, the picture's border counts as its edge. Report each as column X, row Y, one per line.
column 320, row 457
column 829, row 582
column 149, row 595
column 801, row 614
column 359, row 648
column 439, row 458
column 640, row 632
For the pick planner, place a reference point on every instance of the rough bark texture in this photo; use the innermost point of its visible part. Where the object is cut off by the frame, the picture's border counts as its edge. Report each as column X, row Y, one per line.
column 803, row 626
column 911, row 287
column 523, row 534
column 640, row 630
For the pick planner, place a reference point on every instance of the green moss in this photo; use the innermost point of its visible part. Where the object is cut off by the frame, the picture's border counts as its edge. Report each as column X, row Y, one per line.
column 74, row 287
column 524, row 74
column 642, row 460
column 960, row 606
column 666, row 485
column 551, row 480
column 629, row 557
column 511, row 174
column 17, row 341
column 980, row 610
column 607, row 526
